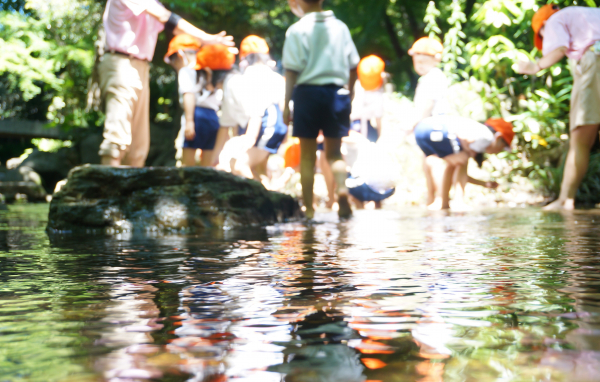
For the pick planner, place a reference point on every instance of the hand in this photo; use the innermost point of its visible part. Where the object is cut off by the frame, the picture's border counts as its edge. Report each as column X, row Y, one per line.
column 287, row 115
column 526, row 67
column 492, row 185
column 190, row 131
column 221, row 38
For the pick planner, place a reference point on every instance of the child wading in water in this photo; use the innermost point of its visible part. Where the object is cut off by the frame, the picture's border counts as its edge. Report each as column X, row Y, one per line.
column 320, row 59
column 573, row 32
column 456, row 139
column 181, row 55
column 430, row 100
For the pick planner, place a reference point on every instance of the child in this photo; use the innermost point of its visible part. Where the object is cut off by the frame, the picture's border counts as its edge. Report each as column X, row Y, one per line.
column 213, row 62
column 573, row 32
column 181, row 55
column 456, row 139
column 368, row 98
column 320, row 59
column 260, row 96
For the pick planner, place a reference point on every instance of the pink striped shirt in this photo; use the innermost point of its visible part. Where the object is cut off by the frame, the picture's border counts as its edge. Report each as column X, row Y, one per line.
column 129, row 29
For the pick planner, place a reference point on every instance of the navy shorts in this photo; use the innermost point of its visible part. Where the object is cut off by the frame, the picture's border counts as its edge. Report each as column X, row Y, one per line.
column 365, row 193
column 372, row 134
column 321, row 108
column 434, row 139
column 272, row 131
column 207, row 127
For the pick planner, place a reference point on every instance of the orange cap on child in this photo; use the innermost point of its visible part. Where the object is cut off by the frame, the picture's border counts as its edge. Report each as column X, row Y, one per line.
column 538, row 21
column 215, row 57
column 428, row 46
column 504, row 128
column 253, row 44
column 182, row 42
column 370, row 69
column 292, row 155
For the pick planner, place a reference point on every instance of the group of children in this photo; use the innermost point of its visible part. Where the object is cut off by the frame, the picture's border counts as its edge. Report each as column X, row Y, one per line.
column 327, row 107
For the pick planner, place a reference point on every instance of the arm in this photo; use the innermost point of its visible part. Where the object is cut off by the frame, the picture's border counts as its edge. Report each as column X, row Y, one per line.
column 252, row 132
column 162, row 14
column 532, row 67
column 481, row 183
column 291, row 78
column 189, row 107
column 352, row 82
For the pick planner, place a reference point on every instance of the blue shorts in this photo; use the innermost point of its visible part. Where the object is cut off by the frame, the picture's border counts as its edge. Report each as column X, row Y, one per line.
column 372, row 134
column 321, row 108
column 272, row 131
column 207, row 127
column 365, row 193
column 434, row 139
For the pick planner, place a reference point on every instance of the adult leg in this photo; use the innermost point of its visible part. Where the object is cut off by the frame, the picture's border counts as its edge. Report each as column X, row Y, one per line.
column 576, row 166
column 188, row 157
column 333, row 152
column 308, row 158
column 140, row 121
column 329, row 180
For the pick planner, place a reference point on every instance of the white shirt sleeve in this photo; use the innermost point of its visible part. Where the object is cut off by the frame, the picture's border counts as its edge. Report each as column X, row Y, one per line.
column 232, row 113
column 187, row 79
column 294, row 53
column 351, row 51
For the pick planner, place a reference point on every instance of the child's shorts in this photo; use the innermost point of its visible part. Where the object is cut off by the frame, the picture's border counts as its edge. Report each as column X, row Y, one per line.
column 363, row 192
column 273, row 130
column 207, row 127
column 372, row 134
column 321, row 108
column 434, row 139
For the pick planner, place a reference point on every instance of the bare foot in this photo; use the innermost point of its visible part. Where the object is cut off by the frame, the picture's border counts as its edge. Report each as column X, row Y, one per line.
column 344, row 211
column 557, row 205
column 309, row 213
column 330, row 203
column 436, row 205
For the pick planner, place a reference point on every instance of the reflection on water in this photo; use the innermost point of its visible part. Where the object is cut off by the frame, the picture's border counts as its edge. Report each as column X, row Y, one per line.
column 388, row 296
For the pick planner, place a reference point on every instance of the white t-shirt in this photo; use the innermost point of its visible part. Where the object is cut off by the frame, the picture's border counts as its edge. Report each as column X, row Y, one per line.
column 232, row 111
column 320, row 48
column 250, row 94
column 468, row 129
column 433, row 87
column 367, row 104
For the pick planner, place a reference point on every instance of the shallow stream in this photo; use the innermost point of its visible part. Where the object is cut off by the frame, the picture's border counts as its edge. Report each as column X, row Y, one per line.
column 497, row 295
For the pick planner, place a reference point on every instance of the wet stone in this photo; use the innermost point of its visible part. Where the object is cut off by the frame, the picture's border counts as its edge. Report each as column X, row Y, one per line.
column 163, row 199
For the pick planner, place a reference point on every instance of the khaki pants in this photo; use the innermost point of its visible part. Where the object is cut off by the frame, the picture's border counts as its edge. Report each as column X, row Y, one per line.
column 125, row 88
column 585, row 97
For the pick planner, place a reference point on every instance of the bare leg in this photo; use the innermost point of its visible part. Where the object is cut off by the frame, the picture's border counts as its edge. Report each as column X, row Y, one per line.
column 222, row 138
column 308, row 158
column 246, row 165
column 578, row 160
column 108, row 160
column 460, row 182
column 188, row 157
column 431, row 189
column 436, row 167
column 333, row 152
column 329, row 180
column 207, row 158
column 446, row 185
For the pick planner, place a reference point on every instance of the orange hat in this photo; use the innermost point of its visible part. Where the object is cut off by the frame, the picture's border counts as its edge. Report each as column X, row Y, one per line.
column 504, row 128
column 428, row 46
column 369, row 72
column 292, row 155
column 215, row 57
column 538, row 21
column 182, row 42
column 253, row 44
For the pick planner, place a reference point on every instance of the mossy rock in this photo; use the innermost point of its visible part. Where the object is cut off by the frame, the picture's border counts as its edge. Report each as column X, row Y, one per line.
column 163, row 199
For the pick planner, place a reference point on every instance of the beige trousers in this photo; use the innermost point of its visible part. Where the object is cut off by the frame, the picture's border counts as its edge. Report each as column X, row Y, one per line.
column 585, row 96
column 126, row 91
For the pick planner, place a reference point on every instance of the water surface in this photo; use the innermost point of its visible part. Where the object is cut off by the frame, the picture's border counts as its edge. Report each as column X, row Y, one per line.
column 498, row 295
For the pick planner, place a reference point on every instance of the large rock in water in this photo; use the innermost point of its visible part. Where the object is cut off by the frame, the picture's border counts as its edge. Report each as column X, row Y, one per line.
column 167, row 199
